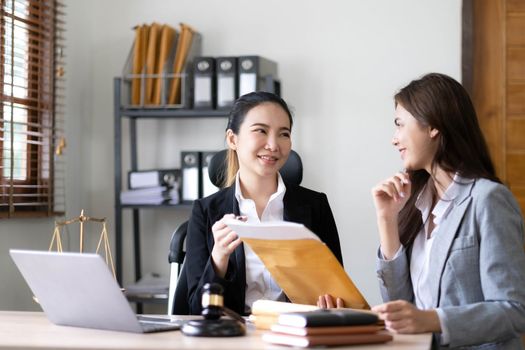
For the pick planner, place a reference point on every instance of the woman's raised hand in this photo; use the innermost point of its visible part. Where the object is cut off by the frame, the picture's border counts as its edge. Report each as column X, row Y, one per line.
column 391, row 195
column 226, row 241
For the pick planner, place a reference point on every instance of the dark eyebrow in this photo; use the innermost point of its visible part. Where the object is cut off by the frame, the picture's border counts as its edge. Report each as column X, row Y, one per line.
column 260, row 124
column 267, row 126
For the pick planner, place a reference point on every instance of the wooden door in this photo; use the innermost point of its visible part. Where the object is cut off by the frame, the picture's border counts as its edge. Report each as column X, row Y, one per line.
column 494, row 73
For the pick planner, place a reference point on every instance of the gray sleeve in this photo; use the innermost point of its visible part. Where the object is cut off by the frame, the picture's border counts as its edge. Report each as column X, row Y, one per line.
column 501, row 315
column 394, row 277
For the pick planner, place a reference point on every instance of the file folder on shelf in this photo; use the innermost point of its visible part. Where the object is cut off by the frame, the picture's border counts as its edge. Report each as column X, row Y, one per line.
column 165, row 79
column 208, row 187
column 153, row 178
column 188, row 46
column 257, row 73
column 168, row 39
column 302, row 265
column 139, row 58
column 190, row 165
column 204, row 83
column 227, row 82
column 151, row 58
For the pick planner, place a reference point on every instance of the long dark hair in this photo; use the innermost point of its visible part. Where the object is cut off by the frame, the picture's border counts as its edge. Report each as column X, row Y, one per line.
column 240, row 108
column 438, row 101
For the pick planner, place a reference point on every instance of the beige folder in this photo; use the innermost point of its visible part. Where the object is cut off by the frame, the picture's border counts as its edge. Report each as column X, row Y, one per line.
column 151, row 60
column 167, row 40
column 302, row 265
column 139, row 58
column 183, row 47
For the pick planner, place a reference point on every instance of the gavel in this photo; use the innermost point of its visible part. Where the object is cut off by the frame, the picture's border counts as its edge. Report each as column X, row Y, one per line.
column 212, row 309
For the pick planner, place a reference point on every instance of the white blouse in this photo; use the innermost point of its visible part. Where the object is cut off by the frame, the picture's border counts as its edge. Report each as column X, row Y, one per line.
column 259, row 282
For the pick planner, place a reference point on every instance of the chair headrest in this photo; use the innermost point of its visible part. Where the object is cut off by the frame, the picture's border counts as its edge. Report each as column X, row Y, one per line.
column 292, row 170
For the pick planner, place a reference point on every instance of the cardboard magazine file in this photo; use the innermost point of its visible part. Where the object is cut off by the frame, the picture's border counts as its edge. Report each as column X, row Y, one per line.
column 302, row 265
column 148, row 76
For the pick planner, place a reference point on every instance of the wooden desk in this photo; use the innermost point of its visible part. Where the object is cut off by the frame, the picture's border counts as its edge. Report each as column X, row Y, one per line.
column 32, row 330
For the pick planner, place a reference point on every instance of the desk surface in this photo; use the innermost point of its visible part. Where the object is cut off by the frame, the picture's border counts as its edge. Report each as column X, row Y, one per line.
column 32, row 330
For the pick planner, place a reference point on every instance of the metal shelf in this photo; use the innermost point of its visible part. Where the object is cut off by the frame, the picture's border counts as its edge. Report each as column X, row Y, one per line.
column 161, row 113
column 133, row 114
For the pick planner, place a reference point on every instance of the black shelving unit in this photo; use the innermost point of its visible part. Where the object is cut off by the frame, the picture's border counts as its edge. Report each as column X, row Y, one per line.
column 133, row 114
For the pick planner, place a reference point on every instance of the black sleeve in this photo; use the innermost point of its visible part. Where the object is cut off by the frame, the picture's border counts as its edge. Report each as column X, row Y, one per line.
column 328, row 229
column 198, row 263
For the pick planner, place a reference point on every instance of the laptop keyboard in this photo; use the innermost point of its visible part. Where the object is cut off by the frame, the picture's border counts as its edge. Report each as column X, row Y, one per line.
column 157, row 324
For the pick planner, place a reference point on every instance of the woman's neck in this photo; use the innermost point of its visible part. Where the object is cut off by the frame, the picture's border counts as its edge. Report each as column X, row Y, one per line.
column 257, row 188
column 442, row 180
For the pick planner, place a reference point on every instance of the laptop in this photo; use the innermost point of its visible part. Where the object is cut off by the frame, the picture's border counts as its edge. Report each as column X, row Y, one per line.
column 79, row 290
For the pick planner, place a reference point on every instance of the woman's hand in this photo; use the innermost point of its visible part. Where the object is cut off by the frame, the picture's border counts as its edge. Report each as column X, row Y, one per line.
column 327, row 302
column 226, row 241
column 400, row 316
column 391, row 195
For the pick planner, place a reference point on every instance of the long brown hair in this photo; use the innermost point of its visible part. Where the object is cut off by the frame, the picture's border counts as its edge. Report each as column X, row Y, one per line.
column 240, row 108
column 438, row 101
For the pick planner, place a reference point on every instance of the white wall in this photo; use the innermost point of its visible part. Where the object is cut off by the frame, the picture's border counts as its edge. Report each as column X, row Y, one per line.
column 340, row 63
column 37, row 233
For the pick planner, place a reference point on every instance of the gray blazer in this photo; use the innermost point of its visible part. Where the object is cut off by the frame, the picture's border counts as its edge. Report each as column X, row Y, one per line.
column 477, row 269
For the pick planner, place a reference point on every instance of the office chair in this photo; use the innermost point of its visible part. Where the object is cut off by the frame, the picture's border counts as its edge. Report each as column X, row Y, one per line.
column 291, row 172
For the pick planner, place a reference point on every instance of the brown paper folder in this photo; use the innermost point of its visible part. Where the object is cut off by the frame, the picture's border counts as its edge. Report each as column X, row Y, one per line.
column 139, row 59
column 183, row 47
column 151, row 60
column 306, row 269
column 167, row 40
column 302, row 265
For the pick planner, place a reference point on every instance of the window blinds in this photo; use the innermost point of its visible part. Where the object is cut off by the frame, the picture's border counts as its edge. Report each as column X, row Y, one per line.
column 32, row 161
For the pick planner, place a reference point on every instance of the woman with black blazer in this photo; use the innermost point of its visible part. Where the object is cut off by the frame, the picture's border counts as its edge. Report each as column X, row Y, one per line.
column 259, row 140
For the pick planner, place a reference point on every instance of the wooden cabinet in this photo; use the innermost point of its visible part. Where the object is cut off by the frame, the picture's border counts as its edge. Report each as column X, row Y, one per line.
column 494, row 73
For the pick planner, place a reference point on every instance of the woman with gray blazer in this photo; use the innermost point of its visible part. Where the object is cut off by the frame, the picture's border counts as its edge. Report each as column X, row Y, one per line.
column 451, row 259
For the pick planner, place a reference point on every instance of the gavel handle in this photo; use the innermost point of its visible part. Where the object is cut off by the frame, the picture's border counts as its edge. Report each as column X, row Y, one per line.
column 233, row 314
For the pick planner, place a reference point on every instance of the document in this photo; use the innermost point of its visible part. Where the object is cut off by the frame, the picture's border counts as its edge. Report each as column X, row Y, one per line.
column 276, row 230
column 302, row 265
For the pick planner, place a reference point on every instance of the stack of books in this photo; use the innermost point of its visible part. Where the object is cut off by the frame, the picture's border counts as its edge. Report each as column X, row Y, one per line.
column 327, row 327
column 151, row 195
column 265, row 313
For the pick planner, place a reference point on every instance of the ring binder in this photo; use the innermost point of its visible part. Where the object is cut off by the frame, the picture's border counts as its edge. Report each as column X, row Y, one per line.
column 253, row 72
column 204, row 83
column 227, row 82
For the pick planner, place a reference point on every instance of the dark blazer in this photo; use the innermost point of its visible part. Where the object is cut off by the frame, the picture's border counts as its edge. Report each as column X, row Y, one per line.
column 301, row 205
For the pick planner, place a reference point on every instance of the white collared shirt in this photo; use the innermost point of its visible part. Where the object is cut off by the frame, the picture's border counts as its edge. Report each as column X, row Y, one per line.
column 259, row 283
column 420, row 257
column 419, row 260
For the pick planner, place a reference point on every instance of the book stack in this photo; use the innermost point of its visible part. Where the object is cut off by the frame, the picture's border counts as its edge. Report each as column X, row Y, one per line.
column 265, row 313
column 152, row 187
column 327, row 327
column 150, row 195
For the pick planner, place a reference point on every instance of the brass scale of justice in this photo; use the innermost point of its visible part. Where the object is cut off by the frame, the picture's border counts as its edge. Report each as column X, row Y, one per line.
column 103, row 242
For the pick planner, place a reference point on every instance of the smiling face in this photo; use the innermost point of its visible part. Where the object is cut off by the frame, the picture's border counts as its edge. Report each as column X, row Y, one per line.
column 416, row 143
column 263, row 142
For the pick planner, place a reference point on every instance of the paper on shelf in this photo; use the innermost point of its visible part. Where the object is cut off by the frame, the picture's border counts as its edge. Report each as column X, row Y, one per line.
column 302, row 265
